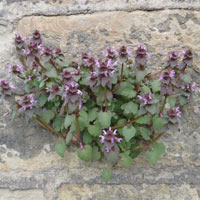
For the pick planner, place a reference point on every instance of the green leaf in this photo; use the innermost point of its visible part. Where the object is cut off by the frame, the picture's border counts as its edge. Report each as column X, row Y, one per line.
column 158, row 150
column 83, row 120
column 52, row 73
column 68, row 138
column 42, row 100
column 146, row 89
column 105, row 119
column 57, row 124
column 128, row 132
column 72, row 127
column 60, row 148
column 126, row 160
column 95, row 130
column 68, row 120
column 140, row 75
column 113, row 155
column 42, row 83
column 107, row 174
column 130, row 108
column 96, row 155
column 151, row 109
column 13, row 115
column 155, row 86
column 145, row 133
column 48, row 115
column 27, row 88
column 144, row 120
column 186, row 78
column 158, row 123
column 92, row 115
column 87, row 139
column 127, row 90
column 183, row 100
column 171, row 101
column 49, row 84
column 85, row 153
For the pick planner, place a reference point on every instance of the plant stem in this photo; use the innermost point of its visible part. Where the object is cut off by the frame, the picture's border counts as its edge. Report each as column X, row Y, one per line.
column 120, row 79
column 105, row 98
column 164, row 103
column 39, row 63
column 24, row 62
column 78, row 130
column 126, row 123
column 54, row 64
column 122, row 72
column 45, row 125
column 153, row 75
column 42, row 123
column 142, row 146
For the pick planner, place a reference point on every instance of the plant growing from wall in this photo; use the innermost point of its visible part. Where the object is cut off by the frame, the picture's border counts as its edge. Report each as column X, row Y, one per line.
column 110, row 106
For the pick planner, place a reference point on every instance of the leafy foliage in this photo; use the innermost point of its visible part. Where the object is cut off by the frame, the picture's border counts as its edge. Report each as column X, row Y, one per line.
column 110, row 106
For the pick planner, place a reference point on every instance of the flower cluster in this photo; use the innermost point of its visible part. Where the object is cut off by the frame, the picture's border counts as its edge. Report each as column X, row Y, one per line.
column 173, row 59
column 173, row 115
column 166, row 80
column 6, row 88
column 147, row 98
column 111, row 53
column 19, row 42
column 27, row 102
column 88, row 60
column 47, row 54
column 67, row 77
column 15, row 69
column 54, row 91
column 36, row 37
column 187, row 59
column 72, row 97
column 124, row 53
column 109, row 139
column 105, row 71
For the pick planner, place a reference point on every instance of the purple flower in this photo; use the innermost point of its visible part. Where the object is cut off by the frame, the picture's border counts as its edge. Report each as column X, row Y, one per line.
column 72, row 97
column 189, row 87
column 109, row 138
column 173, row 114
column 167, row 76
column 88, row 60
column 147, row 98
column 32, row 53
column 141, row 55
column 105, row 72
column 6, row 88
column 110, row 53
column 36, row 37
column 54, row 91
column 188, row 58
column 47, row 54
column 124, row 52
column 67, row 77
column 93, row 79
column 58, row 52
column 16, row 69
column 19, row 41
column 27, row 102
column 173, row 59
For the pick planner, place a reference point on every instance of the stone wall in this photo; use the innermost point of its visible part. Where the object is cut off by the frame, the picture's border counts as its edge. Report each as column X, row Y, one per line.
column 29, row 167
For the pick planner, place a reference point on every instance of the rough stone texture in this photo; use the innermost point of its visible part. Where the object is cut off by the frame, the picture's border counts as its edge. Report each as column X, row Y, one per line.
column 29, row 167
column 18, row 195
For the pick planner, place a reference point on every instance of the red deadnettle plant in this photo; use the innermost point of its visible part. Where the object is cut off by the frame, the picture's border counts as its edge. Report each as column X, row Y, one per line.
column 110, row 106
